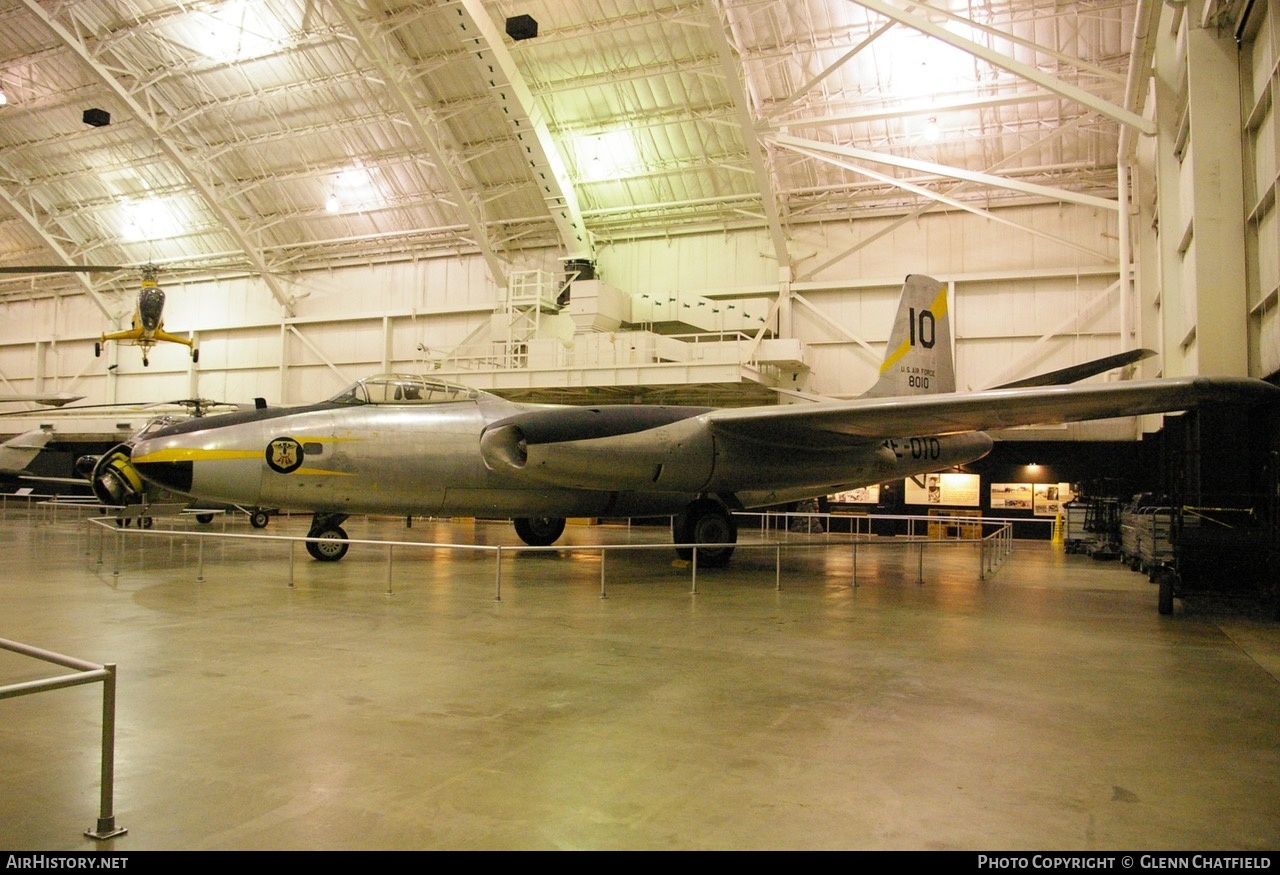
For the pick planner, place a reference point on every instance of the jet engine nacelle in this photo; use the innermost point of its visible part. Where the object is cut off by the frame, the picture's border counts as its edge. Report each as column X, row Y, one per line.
column 677, row 457
column 504, row 447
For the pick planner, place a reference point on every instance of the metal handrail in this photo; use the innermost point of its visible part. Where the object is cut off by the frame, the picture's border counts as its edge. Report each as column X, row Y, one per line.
column 86, row 673
column 920, row 542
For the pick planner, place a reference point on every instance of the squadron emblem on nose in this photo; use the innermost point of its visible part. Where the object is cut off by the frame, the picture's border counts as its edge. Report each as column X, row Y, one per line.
column 284, row 455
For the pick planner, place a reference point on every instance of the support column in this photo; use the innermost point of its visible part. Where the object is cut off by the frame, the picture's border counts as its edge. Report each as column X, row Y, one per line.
column 1217, row 178
column 784, row 302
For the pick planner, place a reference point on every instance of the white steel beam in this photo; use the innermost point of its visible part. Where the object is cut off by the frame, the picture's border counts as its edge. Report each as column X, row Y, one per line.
column 447, row 161
column 55, row 246
column 804, row 89
column 941, row 198
column 930, row 167
column 935, row 107
column 529, row 126
column 1004, row 62
column 1079, row 64
column 755, row 148
column 814, row 270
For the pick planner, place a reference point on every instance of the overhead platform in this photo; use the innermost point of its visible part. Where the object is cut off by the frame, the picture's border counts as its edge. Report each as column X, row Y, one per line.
column 589, row 341
column 718, row 384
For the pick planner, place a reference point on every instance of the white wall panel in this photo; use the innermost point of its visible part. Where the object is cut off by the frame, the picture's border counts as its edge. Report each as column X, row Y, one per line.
column 1012, row 287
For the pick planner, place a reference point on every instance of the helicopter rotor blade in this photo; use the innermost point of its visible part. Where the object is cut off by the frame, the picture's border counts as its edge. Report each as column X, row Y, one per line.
column 64, row 268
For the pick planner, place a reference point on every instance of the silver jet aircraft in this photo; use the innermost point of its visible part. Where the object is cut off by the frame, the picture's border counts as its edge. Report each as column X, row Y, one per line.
column 410, row 445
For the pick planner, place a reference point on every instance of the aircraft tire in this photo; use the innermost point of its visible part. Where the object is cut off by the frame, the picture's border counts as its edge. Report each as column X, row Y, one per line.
column 204, row 518
column 705, row 522
column 97, row 350
column 539, row 531
column 195, row 356
column 145, row 522
column 259, row 519
column 331, row 547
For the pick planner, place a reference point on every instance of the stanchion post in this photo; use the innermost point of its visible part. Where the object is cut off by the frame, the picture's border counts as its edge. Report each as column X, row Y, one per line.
column 389, row 548
column 603, row 553
column 106, row 827
column 497, row 575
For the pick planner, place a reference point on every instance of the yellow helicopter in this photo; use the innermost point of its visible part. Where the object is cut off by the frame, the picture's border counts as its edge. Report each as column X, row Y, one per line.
column 148, row 324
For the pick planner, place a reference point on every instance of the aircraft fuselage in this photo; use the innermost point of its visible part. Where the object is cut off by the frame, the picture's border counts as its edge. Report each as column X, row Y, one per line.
column 457, row 458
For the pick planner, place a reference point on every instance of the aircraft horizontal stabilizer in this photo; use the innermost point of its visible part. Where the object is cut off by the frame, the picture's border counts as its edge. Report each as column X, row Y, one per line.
column 1076, row 373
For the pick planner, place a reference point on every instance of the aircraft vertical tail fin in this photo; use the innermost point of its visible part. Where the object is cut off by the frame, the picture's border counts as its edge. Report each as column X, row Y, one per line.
column 17, row 453
column 918, row 359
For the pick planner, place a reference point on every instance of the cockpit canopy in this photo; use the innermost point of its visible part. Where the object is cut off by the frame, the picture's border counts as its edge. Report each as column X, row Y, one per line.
column 404, row 389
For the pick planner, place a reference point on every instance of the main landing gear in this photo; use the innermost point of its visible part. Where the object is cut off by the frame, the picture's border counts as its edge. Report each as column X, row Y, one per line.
column 705, row 521
column 332, row 545
column 542, row 531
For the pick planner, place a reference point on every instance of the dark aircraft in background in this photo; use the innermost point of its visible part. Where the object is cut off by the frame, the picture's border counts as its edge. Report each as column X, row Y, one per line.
column 410, row 445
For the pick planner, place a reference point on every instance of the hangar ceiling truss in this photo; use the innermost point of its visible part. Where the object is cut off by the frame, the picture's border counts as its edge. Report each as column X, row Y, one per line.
column 113, row 69
column 281, row 136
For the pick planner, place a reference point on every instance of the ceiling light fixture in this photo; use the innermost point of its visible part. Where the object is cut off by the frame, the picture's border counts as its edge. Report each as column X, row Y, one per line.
column 331, row 204
column 931, row 129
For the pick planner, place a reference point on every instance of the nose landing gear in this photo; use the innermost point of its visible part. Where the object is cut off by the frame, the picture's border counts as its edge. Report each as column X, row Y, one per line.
column 332, row 544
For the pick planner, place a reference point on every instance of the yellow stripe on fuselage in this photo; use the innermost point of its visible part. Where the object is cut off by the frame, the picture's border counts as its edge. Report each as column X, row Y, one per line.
column 195, row 454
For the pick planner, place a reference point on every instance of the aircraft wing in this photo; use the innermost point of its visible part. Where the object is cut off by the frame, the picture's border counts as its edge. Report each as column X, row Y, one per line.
column 809, row 425
column 56, row 399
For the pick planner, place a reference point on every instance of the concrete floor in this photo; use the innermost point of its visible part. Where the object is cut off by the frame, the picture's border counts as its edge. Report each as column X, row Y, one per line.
column 1051, row 707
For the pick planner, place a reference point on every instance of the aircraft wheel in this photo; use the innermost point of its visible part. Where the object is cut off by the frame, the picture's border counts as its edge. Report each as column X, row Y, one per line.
column 705, row 522
column 195, row 356
column 204, row 518
column 331, row 547
column 97, row 350
column 145, row 522
column 1165, row 602
column 540, row 531
column 259, row 519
